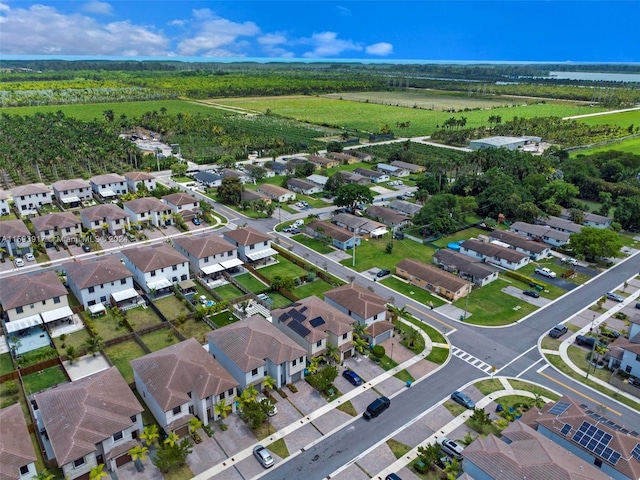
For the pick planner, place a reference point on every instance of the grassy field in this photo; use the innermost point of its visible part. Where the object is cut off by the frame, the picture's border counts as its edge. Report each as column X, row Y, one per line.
column 629, row 146
column 284, row 268
column 371, row 254
column 75, row 339
column 369, row 117
column 142, row 317
column 224, row 318
column 251, row 283
column 6, row 365
column 171, row 307
column 159, row 339
column 229, row 292
column 107, row 325
column 313, row 243
column 461, row 235
column 416, row 293
column 121, row 356
column 194, row 329
column 623, row 119
column 438, row 355
column 278, row 300
column 317, row 288
column 44, row 379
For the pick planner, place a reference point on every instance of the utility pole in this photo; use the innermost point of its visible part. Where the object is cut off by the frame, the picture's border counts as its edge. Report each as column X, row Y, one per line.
column 593, row 347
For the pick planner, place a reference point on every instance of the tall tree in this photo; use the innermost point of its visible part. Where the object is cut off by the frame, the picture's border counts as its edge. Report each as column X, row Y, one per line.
column 592, row 243
column 230, row 190
column 351, row 195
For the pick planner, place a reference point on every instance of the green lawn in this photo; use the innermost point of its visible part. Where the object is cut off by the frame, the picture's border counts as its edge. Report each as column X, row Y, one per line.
column 412, row 291
column 579, row 355
column 313, row 243
column 489, row 306
column 229, row 292
column 465, row 234
column 121, row 356
column 631, row 145
column 623, row 119
column 278, row 300
column 194, row 329
column 224, row 318
column 251, row 283
column 438, row 355
column 533, row 388
column 44, row 379
column 140, row 317
column 432, row 332
column 107, row 325
column 171, row 307
column 371, row 254
column 75, row 339
column 284, row 268
column 160, row 339
column 489, row 386
column 6, row 365
column 14, row 395
column 317, row 288
column 182, row 179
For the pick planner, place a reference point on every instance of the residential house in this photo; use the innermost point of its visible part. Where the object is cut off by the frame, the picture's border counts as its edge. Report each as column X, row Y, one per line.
column 90, row 421
column 97, row 282
column 4, row 203
column 597, row 221
column 252, row 245
column 148, row 210
column 17, row 456
column 433, row 279
column 96, row 218
column 208, row 179
column 251, row 196
column 541, row 233
column 360, row 155
column 156, row 268
column 135, row 179
column 390, row 218
column 594, row 438
column 28, row 199
column 108, row 186
column 279, row 168
column 182, row 203
column 252, row 349
column 250, row 168
column 359, row 225
column 412, row 168
column 340, row 238
column 351, row 177
column 560, row 224
column 624, row 353
column 57, row 227
column 393, row 170
column 302, row 186
column 402, row 206
column 318, row 180
column 314, row 325
column 375, row 177
column 323, row 162
column 182, row 381
column 29, row 299
column 71, row 193
column 345, row 158
column 465, row 267
column 231, row 173
column 208, row 254
column 496, row 254
column 536, row 250
column 276, row 193
column 15, row 238
column 365, row 307
column 524, row 454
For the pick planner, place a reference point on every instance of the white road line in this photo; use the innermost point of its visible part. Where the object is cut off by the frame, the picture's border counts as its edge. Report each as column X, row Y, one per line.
column 542, row 368
column 515, row 359
column 529, row 367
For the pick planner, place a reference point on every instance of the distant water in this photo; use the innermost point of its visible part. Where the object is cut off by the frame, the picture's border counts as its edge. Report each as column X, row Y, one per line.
column 595, row 77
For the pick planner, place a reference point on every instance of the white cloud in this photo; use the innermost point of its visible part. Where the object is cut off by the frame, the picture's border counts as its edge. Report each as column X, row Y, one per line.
column 382, row 49
column 272, row 39
column 272, row 45
column 52, row 32
column 100, row 8
column 327, row 44
column 343, row 11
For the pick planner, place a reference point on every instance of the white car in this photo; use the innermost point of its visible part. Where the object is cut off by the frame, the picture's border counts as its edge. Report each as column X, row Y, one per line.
column 19, row 262
column 545, row 272
column 409, row 194
column 570, row 261
column 29, row 257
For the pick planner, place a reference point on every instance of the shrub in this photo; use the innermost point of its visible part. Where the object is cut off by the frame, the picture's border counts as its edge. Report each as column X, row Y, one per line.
column 311, row 276
column 523, row 278
column 378, row 351
column 9, row 388
column 291, row 387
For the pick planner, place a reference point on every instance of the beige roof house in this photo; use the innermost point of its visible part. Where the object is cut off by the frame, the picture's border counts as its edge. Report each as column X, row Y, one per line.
column 201, row 246
column 433, row 279
column 55, row 220
column 31, row 189
column 275, row 192
column 179, row 198
column 100, row 212
column 21, row 290
column 13, row 229
column 138, row 176
column 357, row 299
column 73, row 184
column 16, row 449
column 147, row 204
column 246, row 236
column 154, row 257
column 96, row 271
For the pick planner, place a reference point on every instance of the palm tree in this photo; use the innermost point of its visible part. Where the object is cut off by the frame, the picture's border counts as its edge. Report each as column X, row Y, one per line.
column 194, row 424
column 269, row 383
column 44, row 475
column 139, row 452
column 94, row 345
column 360, row 345
column 171, row 439
column 150, row 435
column 249, row 394
column 413, row 336
column 313, row 365
column 97, row 472
column 72, row 354
column 360, row 330
column 332, row 353
column 222, row 409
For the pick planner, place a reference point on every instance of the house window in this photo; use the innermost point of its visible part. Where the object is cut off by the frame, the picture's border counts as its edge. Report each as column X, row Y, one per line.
column 251, row 247
column 229, row 253
column 19, row 310
column 344, row 336
column 265, row 243
column 31, row 306
column 230, row 392
column 153, row 274
column 68, row 229
column 92, row 289
column 627, row 369
column 123, row 281
column 597, row 462
column 301, row 359
column 174, row 279
column 24, row 469
column 183, row 277
column 221, row 396
column 189, row 394
column 206, row 259
column 295, row 362
column 92, row 302
column 375, row 317
column 174, row 268
column 254, row 372
column 177, row 410
column 117, row 436
column 79, row 462
column 46, row 232
column 56, row 299
column 133, row 418
column 319, row 343
column 103, row 299
column 638, row 358
column 44, row 302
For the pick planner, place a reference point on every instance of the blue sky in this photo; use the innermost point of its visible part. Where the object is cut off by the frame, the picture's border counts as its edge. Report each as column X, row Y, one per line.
column 555, row 31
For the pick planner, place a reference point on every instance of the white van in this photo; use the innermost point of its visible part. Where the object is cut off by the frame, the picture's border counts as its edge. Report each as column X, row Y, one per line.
column 298, row 223
column 451, row 448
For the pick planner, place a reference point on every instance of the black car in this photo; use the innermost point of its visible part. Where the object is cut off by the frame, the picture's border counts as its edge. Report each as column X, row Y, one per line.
column 383, row 273
column 589, row 342
column 86, row 248
column 531, row 293
column 353, row 377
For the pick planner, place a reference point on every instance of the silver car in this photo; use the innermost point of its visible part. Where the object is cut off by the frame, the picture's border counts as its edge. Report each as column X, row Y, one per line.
column 263, row 456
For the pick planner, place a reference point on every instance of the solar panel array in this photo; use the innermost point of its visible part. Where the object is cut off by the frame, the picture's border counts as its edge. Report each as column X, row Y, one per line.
column 566, row 429
column 610, row 424
column 597, row 441
column 636, row 452
column 299, row 328
column 316, row 322
column 559, row 408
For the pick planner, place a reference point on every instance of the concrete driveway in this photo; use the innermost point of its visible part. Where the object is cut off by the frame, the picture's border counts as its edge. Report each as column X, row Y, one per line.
column 287, row 413
column 153, row 233
column 59, row 254
column 558, row 282
column 307, row 400
column 516, row 292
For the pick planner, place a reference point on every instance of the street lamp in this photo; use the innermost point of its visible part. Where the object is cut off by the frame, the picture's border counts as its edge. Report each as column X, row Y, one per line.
column 593, row 347
column 391, row 351
column 355, row 229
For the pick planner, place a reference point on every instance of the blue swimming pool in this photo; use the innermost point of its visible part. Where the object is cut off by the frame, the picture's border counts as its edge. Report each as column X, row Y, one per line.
column 29, row 339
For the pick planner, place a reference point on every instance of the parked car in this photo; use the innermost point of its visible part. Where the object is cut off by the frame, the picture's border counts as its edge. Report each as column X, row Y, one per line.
column 19, row 262
column 610, row 333
column 558, row 331
column 545, row 272
column 383, row 273
column 86, row 248
column 392, row 476
column 571, row 261
column 531, row 293
column 353, row 377
column 272, row 410
column 401, row 197
column 376, row 407
column 294, row 231
column 263, row 456
column 451, row 448
column 196, row 221
column 29, row 257
column 463, row 399
column 614, row 296
column 638, row 305
column 410, row 194
column 589, row 342
column 298, row 223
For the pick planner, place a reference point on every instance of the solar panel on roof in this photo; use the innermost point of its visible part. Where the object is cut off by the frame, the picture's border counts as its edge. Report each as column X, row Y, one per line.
column 597, row 441
column 566, row 429
column 316, row 322
column 297, row 316
column 636, row 452
column 559, row 408
column 614, row 458
column 299, row 329
column 634, row 433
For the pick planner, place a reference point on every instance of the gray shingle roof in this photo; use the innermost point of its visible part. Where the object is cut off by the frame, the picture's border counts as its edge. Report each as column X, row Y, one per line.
column 107, row 179
column 147, row 204
column 463, row 263
column 16, row 449
column 13, row 228
column 153, row 257
column 330, row 230
column 138, row 176
column 96, row 271
column 73, row 184
column 98, row 212
column 431, row 274
column 518, row 241
column 492, row 250
column 179, row 199
column 30, row 189
column 25, row 289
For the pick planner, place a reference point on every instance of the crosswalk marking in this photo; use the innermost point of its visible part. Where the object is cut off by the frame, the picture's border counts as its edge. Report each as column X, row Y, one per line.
column 471, row 360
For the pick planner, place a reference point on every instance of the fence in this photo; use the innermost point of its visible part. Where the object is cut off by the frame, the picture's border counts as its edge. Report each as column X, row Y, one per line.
column 210, row 290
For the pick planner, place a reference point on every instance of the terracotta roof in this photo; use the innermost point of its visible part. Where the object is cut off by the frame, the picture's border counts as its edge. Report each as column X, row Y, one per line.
column 13, row 228
column 330, row 230
column 153, row 257
column 377, row 328
column 432, row 275
column 246, row 236
column 98, row 212
column 172, row 373
column 30, row 189
column 96, row 271
column 495, row 251
column 25, row 289
column 307, row 312
column 179, row 199
column 73, row 184
column 79, row 414
column 138, row 176
column 529, row 455
column 574, row 416
column 107, row 178
column 204, row 245
column 249, row 342
column 16, row 449
column 273, row 190
column 147, row 204
column 518, row 241
column 52, row 220
column 357, row 299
